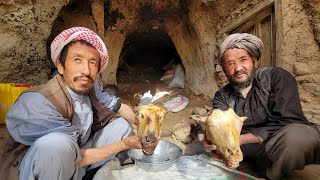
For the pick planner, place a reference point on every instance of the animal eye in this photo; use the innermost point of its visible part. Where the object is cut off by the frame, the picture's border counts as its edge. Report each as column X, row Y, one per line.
column 141, row 115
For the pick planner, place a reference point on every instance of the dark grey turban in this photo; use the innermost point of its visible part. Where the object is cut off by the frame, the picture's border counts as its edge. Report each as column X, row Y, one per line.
column 252, row 44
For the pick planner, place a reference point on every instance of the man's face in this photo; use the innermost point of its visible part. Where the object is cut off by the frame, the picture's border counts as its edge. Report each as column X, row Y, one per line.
column 239, row 67
column 81, row 67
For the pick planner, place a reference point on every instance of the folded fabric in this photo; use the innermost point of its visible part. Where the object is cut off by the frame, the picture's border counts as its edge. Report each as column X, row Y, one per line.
column 176, row 104
column 146, row 98
column 186, row 167
column 178, row 77
column 167, row 75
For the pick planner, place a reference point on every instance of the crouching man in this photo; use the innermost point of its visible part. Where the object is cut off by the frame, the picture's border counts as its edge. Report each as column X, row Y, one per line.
column 276, row 133
column 67, row 127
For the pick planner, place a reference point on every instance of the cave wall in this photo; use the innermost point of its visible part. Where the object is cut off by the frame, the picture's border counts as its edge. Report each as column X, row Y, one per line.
column 297, row 45
column 24, row 29
column 299, row 52
column 196, row 28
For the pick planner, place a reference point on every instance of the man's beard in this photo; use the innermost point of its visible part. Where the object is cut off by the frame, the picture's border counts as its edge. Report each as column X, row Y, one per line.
column 241, row 85
column 81, row 92
column 86, row 89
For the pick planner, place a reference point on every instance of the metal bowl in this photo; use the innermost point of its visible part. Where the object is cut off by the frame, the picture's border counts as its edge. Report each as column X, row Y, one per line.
column 165, row 154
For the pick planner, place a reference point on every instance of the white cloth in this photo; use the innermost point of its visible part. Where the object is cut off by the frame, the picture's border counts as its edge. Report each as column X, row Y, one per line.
column 186, row 167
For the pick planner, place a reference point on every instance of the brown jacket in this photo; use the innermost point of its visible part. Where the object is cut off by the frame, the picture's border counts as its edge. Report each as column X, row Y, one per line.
column 11, row 152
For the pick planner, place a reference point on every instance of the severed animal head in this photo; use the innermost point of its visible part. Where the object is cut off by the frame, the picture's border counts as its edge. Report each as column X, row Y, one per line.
column 223, row 129
column 149, row 118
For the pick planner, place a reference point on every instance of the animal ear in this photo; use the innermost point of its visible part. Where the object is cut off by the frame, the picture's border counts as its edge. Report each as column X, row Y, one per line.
column 136, row 109
column 243, row 118
column 209, row 121
column 136, row 113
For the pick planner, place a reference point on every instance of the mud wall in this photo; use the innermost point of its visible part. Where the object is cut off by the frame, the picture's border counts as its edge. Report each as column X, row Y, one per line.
column 297, row 45
column 24, row 29
column 196, row 28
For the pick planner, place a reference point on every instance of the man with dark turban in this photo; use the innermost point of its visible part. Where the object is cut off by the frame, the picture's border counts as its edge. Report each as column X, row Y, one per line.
column 276, row 133
column 61, row 129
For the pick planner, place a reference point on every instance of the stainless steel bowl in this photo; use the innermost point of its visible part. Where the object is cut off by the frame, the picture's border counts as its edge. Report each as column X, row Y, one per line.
column 165, row 154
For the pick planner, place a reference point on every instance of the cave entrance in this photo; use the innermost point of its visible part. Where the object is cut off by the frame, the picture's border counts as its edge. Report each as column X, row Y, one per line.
column 146, row 56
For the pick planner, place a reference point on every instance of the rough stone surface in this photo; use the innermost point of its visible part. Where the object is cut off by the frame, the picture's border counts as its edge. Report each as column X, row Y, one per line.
column 194, row 26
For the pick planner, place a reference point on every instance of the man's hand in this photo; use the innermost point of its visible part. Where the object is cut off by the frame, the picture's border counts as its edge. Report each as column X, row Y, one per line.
column 210, row 148
column 134, row 129
column 250, row 138
column 207, row 147
column 132, row 142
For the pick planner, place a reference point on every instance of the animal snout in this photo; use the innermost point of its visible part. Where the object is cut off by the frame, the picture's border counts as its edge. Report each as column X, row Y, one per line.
column 233, row 152
column 151, row 138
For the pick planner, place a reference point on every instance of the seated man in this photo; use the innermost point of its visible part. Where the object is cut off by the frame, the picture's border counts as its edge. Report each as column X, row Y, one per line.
column 66, row 127
column 276, row 133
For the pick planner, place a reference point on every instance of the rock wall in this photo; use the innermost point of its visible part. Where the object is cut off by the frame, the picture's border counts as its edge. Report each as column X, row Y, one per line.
column 297, row 45
column 195, row 27
column 300, row 54
column 24, row 29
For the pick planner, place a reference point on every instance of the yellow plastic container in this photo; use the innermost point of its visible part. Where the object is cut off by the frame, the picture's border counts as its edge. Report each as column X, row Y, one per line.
column 9, row 92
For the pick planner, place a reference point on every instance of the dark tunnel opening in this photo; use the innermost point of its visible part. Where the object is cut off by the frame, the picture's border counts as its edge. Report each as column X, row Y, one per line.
column 146, row 56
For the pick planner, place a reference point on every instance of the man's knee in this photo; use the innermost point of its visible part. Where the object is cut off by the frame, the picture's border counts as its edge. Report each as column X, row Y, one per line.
column 294, row 141
column 56, row 144
column 299, row 136
column 121, row 125
column 54, row 155
column 293, row 147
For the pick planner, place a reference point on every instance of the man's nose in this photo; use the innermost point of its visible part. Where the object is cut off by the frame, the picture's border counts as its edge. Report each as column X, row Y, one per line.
column 85, row 69
column 238, row 66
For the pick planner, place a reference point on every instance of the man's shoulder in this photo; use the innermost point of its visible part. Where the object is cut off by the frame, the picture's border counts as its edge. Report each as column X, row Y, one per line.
column 270, row 72
column 32, row 97
column 226, row 89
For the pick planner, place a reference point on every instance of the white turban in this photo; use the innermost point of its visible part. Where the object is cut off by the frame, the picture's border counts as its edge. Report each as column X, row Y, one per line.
column 75, row 34
column 252, row 44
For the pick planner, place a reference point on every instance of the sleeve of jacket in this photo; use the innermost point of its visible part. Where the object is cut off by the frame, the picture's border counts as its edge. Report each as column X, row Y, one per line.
column 33, row 116
column 284, row 101
column 110, row 102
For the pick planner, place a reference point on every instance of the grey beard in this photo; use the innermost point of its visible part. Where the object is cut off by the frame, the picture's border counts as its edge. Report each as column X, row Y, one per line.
column 238, row 86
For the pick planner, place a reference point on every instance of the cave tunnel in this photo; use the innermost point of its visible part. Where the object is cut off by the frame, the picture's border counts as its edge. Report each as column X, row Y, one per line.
column 146, row 56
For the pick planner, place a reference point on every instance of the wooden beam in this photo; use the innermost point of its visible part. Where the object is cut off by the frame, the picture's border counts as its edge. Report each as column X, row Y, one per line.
column 248, row 15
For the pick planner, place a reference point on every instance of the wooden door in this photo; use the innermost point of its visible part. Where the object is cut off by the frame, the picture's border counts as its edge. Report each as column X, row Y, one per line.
column 262, row 26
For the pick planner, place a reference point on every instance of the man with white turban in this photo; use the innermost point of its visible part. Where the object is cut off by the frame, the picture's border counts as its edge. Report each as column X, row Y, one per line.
column 67, row 127
column 276, row 133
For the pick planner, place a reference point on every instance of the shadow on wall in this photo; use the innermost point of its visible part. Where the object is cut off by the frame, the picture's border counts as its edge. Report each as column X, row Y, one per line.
column 146, row 56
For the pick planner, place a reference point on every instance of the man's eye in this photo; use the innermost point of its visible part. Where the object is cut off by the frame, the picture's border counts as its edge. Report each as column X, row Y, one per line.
column 230, row 64
column 77, row 60
column 94, row 63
